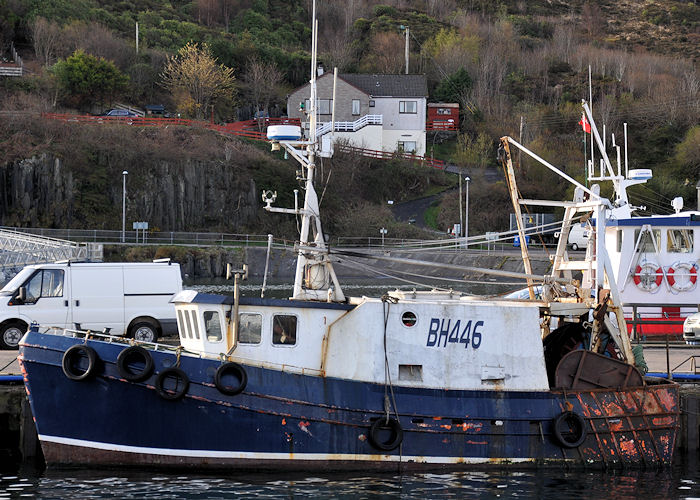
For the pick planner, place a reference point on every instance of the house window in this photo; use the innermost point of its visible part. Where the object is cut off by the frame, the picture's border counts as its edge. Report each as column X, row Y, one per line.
column 679, row 240
column 212, row 325
column 407, row 146
column 284, row 329
column 371, row 103
column 408, row 107
column 355, row 106
column 249, row 328
column 323, row 107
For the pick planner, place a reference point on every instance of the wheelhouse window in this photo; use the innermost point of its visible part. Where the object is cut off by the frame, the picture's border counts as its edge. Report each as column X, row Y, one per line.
column 647, row 243
column 679, row 240
column 355, row 106
column 182, row 327
column 619, row 240
column 284, row 329
column 408, row 107
column 444, row 111
column 212, row 326
column 195, row 324
column 249, row 328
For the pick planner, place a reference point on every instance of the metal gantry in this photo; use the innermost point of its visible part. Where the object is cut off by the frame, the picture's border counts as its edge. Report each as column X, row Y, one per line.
column 20, row 249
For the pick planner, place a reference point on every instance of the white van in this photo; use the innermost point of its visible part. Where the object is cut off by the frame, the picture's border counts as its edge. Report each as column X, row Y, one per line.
column 120, row 298
column 579, row 235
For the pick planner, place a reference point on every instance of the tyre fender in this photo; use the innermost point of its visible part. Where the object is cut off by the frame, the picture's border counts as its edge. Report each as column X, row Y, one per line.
column 134, row 354
column 71, row 358
column 181, row 387
column 569, row 429
column 391, row 425
column 232, row 369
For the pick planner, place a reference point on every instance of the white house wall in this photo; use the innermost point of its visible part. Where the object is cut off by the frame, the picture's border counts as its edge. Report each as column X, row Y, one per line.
column 391, row 138
column 369, row 137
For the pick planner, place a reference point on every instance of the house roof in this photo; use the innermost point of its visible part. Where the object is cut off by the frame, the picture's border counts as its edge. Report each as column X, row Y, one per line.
column 389, row 85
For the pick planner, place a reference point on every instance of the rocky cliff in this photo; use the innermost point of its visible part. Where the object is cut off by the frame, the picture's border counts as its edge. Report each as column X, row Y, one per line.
column 177, row 180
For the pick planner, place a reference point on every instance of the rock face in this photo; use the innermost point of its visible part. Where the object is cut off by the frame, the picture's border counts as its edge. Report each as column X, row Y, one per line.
column 171, row 195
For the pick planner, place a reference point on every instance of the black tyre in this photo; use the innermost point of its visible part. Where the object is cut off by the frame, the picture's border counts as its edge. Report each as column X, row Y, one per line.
column 378, row 434
column 11, row 334
column 226, row 371
column 135, row 364
column 172, row 391
column 144, row 331
column 79, row 362
column 569, row 430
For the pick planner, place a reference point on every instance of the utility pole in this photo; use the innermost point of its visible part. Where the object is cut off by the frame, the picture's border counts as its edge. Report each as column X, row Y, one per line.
column 407, row 31
column 137, row 38
column 461, row 221
column 124, row 174
column 466, row 210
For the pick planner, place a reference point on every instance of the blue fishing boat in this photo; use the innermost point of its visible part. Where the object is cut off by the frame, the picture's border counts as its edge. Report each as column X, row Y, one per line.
column 324, row 381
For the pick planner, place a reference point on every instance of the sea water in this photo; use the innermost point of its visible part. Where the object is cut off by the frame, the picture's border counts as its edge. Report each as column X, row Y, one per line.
column 680, row 481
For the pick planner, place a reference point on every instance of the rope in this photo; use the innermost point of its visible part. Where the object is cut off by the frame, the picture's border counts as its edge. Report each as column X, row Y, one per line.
column 386, row 304
column 8, row 364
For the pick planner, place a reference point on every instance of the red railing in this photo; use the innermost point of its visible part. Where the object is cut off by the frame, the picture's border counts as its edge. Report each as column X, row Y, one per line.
column 387, row 155
column 247, row 128
column 432, row 126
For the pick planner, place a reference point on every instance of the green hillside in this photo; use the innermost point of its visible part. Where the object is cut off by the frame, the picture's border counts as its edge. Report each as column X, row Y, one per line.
column 506, row 63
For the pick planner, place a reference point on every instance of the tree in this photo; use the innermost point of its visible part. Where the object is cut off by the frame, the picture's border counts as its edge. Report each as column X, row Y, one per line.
column 262, row 82
column 45, row 35
column 88, row 79
column 196, row 81
column 387, row 53
column 454, row 88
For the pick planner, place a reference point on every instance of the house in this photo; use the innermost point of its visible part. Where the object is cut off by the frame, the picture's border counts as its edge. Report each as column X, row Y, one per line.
column 443, row 116
column 376, row 112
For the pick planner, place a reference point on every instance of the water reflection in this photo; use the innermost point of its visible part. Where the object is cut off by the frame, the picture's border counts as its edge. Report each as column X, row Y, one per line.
column 681, row 481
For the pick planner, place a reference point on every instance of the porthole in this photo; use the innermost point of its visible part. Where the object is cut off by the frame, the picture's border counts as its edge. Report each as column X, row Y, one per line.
column 408, row 319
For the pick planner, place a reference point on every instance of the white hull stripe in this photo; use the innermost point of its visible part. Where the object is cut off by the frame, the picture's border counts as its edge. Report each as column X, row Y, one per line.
column 244, row 455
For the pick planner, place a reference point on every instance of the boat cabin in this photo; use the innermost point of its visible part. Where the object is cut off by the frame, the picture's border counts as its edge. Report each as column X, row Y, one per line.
column 432, row 339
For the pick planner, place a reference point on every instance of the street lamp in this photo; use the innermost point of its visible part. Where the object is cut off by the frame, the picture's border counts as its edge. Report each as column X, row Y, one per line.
column 383, row 231
column 124, row 174
column 466, row 210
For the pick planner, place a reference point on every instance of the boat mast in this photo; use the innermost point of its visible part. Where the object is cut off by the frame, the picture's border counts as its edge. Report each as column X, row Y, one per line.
column 315, row 278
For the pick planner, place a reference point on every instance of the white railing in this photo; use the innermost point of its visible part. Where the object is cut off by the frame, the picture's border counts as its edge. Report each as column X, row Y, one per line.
column 16, row 68
column 350, row 126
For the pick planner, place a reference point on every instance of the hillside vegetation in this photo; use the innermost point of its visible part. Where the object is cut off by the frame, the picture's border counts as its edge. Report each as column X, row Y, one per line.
column 507, row 63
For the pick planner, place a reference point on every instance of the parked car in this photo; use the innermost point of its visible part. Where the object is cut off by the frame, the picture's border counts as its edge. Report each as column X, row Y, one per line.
column 691, row 329
column 119, row 298
column 119, row 112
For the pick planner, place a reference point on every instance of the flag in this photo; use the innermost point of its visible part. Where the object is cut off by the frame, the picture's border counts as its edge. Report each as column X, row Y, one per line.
column 585, row 125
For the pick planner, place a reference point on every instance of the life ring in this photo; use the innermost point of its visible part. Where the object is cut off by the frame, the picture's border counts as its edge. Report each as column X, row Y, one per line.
column 687, row 270
column 131, row 356
column 180, row 388
column 569, row 429
column 72, row 357
column 648, row 276
column 395, row 438
column 230, row 369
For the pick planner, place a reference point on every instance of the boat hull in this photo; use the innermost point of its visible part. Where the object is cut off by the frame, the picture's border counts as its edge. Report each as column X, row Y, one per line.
column 300, row 422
